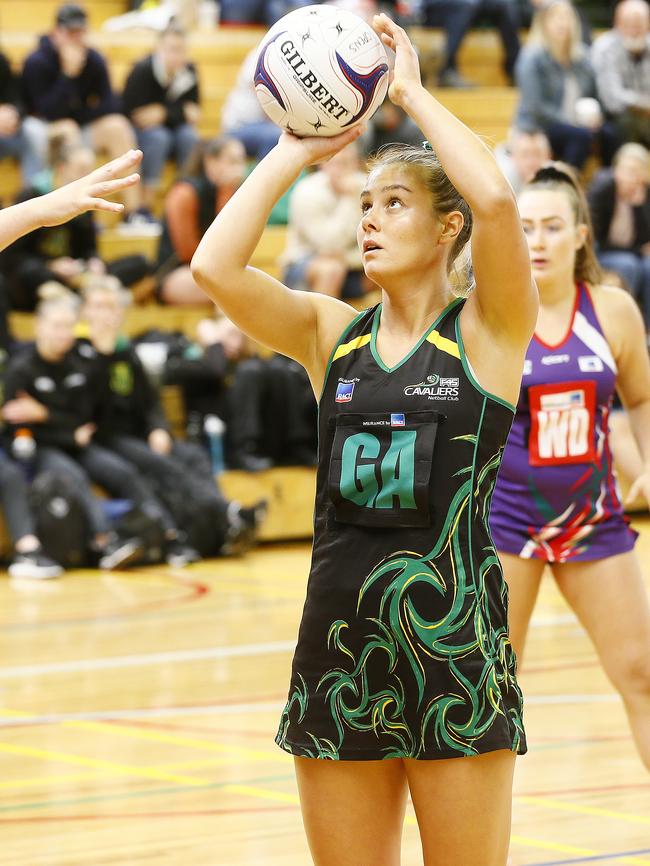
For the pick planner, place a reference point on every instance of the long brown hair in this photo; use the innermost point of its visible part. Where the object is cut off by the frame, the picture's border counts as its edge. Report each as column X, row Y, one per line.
column 563, row 178
column 423, row 162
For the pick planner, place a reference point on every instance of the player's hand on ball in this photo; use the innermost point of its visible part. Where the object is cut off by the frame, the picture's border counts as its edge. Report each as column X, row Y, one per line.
column 406, row 72
column 314, row 149
column 89, row 192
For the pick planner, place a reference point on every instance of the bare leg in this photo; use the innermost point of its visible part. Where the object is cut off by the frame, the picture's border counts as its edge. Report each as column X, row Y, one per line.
column 523, row 577
column 463, row 807
column 353, row 811
column 326, row 274
column 179, row 290
column 113, row 135
column 610, row 600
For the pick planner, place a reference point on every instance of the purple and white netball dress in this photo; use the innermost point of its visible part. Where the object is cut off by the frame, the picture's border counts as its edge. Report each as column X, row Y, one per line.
column 556, row 496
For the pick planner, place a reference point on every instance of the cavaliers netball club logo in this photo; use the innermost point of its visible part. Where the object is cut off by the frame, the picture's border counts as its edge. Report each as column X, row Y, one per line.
column 435, row 387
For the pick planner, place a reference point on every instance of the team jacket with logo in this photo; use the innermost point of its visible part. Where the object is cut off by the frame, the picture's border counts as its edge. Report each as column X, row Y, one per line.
column 403, row 647
column 556, row 497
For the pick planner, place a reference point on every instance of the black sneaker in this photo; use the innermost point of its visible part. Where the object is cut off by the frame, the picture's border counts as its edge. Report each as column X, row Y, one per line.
column 243, row 524
column 119, row 553
column 35, row 566
column 179, row 555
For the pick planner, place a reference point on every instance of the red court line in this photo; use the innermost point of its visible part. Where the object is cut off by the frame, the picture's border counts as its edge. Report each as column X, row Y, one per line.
column 128, row 816
column 195, row 590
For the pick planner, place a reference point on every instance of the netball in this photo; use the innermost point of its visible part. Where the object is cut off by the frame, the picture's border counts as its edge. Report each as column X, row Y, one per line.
column 321, row 70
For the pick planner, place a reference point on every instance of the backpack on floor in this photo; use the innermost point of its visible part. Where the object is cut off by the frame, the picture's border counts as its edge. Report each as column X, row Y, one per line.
column 60, row 522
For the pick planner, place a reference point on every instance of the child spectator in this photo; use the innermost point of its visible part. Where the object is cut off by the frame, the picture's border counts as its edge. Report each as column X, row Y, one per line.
column 161, row 96
column 53, row 394
column 322, row 253
column 215, row 171
column 132, row 423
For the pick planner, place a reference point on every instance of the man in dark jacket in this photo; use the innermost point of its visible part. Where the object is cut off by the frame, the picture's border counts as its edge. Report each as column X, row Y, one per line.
column 619, row 201
column 66, row 83
column 13, row 141
column 161, row 96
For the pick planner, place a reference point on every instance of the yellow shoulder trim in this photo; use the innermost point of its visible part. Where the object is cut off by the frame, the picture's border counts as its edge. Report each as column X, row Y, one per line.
column 444, row 344
column 345, row 348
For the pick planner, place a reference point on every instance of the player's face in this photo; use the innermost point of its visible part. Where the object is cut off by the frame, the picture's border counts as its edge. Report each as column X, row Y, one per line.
column 55, row 332
column 399, row 231
column 552, row 234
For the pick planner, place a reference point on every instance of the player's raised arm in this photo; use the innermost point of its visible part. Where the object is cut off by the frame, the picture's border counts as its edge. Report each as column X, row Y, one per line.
column 499, row 250
column 61, row 205
column 285, row 320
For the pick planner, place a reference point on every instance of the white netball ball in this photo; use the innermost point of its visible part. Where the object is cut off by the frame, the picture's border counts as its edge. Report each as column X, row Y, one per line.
column 321, row 70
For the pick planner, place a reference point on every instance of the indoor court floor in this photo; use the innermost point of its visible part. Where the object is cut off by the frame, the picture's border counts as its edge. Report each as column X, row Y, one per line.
column 139, row 711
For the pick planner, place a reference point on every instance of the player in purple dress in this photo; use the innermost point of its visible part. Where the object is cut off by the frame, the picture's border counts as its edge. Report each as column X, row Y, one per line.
column 556, row 499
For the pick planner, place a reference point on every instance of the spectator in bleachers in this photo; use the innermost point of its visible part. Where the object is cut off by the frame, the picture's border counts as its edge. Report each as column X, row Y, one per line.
column 621, row 59
column 64, row 253
column 522, row 155
column 257, row 11
column 266, row 403
column 13, row 141
column 28, row 559
column 51, row 394
column 242, row 115
column 388, row 124
column 161, row 96
column 457, row 17
column 132, row 423
column 214, row 172
column 67, row 90
column 322, row 253
column 555, row 78
column 619, row 202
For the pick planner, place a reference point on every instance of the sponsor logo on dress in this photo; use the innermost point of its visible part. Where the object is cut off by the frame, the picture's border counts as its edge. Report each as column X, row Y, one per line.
column 345, row 390
column 556, row 359
column 590, row 364
column 397, row 419
column 435, row 387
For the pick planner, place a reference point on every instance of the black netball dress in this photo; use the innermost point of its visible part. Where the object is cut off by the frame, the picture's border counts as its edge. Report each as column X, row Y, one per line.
column 403, row 648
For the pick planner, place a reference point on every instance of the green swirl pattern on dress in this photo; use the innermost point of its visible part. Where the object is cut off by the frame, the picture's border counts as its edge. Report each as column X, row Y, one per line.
column 401, row 632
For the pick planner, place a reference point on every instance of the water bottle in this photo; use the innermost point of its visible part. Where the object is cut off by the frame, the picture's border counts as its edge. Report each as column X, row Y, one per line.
column 214, row 429
column 23, row 446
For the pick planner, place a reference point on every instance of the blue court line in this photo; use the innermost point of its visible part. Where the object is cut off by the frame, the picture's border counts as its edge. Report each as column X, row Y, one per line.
column 614, row 856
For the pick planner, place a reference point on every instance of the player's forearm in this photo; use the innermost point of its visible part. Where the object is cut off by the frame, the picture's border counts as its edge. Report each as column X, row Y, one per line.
column 20, row 219
column 469, row 164
column 229, row 243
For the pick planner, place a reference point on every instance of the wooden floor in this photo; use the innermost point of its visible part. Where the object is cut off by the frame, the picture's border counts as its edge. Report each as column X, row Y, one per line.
column 139, row 709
